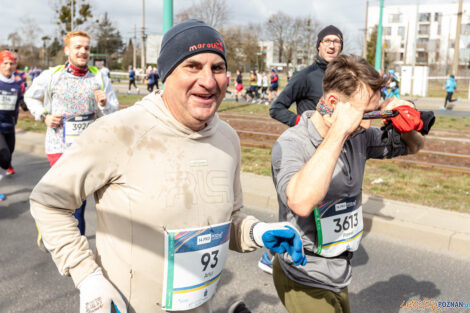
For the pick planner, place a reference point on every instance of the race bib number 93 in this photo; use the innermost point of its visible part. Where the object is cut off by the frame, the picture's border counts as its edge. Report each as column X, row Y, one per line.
column 194, row 260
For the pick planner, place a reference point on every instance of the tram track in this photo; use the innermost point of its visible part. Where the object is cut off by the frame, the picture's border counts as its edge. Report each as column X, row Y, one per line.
column 251, row 130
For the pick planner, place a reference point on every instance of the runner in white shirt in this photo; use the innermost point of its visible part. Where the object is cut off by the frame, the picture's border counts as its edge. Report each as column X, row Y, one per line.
column 68, row 98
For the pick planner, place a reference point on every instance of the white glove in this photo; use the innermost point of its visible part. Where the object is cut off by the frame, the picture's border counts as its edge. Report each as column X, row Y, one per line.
column 98, row 295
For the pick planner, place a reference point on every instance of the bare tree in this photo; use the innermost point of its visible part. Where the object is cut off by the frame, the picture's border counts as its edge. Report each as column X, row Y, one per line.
column 241, row 44
column 294, row 40
column 213, row 12
column 45, row 39
column 308, row 38
column 278, row 28
column 30, row 31
column 15, row 40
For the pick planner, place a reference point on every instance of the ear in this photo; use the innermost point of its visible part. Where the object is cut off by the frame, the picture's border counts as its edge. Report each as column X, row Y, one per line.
column 66, row 50
column 331, row 101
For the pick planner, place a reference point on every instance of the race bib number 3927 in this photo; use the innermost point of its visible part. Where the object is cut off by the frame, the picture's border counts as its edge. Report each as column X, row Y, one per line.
column 194, row 259
column 74, row 126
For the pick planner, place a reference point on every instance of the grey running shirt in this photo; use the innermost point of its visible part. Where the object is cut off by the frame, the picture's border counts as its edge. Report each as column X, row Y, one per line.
column 289, row 154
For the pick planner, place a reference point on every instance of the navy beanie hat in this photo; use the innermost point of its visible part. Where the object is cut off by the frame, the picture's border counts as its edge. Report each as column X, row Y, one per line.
column 185, row 40
column 329, row 30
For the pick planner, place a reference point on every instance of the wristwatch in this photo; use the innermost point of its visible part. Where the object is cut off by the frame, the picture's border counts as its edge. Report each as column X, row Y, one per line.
column 252, row 237
column 43, row 117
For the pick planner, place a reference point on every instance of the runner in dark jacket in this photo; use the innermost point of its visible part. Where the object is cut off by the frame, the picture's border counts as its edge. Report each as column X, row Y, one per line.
column 305, row 87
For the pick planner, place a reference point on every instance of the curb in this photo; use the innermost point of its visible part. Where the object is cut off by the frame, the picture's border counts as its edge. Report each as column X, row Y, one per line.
column 426, row 226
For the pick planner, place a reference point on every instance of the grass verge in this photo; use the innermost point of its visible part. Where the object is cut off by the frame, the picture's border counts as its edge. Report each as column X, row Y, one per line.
column 396, row 181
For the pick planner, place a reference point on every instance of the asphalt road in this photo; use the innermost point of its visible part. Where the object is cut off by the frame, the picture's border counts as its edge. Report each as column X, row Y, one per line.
column 386, row 272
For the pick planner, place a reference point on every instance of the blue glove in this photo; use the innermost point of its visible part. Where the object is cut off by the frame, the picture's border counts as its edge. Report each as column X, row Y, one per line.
column 280, row 238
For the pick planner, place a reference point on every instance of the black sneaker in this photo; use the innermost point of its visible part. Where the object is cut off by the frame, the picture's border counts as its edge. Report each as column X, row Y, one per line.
column 238, row 307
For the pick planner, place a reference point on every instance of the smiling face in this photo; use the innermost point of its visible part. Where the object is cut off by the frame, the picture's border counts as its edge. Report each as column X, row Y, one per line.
column 329, row 47
column 195, row 89
column 78, row 51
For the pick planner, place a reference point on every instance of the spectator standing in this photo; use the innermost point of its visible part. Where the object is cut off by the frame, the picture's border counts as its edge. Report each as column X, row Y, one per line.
column 305, row 87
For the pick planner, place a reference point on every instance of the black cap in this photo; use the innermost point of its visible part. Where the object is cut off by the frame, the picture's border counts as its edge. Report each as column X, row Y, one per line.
column 329, row 30
column 185, row 40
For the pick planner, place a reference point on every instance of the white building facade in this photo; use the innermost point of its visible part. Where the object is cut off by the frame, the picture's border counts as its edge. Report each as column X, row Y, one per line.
column 431, row 26
column 153, row 45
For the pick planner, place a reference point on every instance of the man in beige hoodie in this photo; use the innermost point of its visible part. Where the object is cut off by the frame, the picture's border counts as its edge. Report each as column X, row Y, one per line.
column 165, row 174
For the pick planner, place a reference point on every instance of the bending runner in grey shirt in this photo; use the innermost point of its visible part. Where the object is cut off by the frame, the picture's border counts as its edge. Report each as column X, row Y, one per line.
column 318, row 168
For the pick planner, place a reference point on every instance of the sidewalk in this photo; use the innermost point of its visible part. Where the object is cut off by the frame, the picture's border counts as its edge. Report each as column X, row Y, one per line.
column 431, row 227
column 428, row 103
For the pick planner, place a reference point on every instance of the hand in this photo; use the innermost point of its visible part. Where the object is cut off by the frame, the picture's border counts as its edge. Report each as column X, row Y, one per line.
column 408, row 119
column 53, row 120
column 280, row 238
column 100, row 97
column 347, row 117
column 98, row 295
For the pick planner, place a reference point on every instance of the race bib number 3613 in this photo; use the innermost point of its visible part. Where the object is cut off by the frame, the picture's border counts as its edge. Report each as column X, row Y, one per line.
column 339, row 226
column 194, row 259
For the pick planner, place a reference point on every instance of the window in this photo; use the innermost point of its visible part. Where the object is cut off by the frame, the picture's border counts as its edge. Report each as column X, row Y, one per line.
column 422, row 43
column 423, row 30
column 401, row 56
column 425, row 17
column 422, row 57
column 439, row 28
column 387, row 31
column 394, row 18
column 466, row 29
column 436, row 16
column 401, row 31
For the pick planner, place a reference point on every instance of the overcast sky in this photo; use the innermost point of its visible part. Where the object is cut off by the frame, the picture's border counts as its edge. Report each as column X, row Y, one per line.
column 349, row 15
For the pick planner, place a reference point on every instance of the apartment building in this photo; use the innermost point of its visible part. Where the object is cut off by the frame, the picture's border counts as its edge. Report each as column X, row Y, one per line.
column 431, row 26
